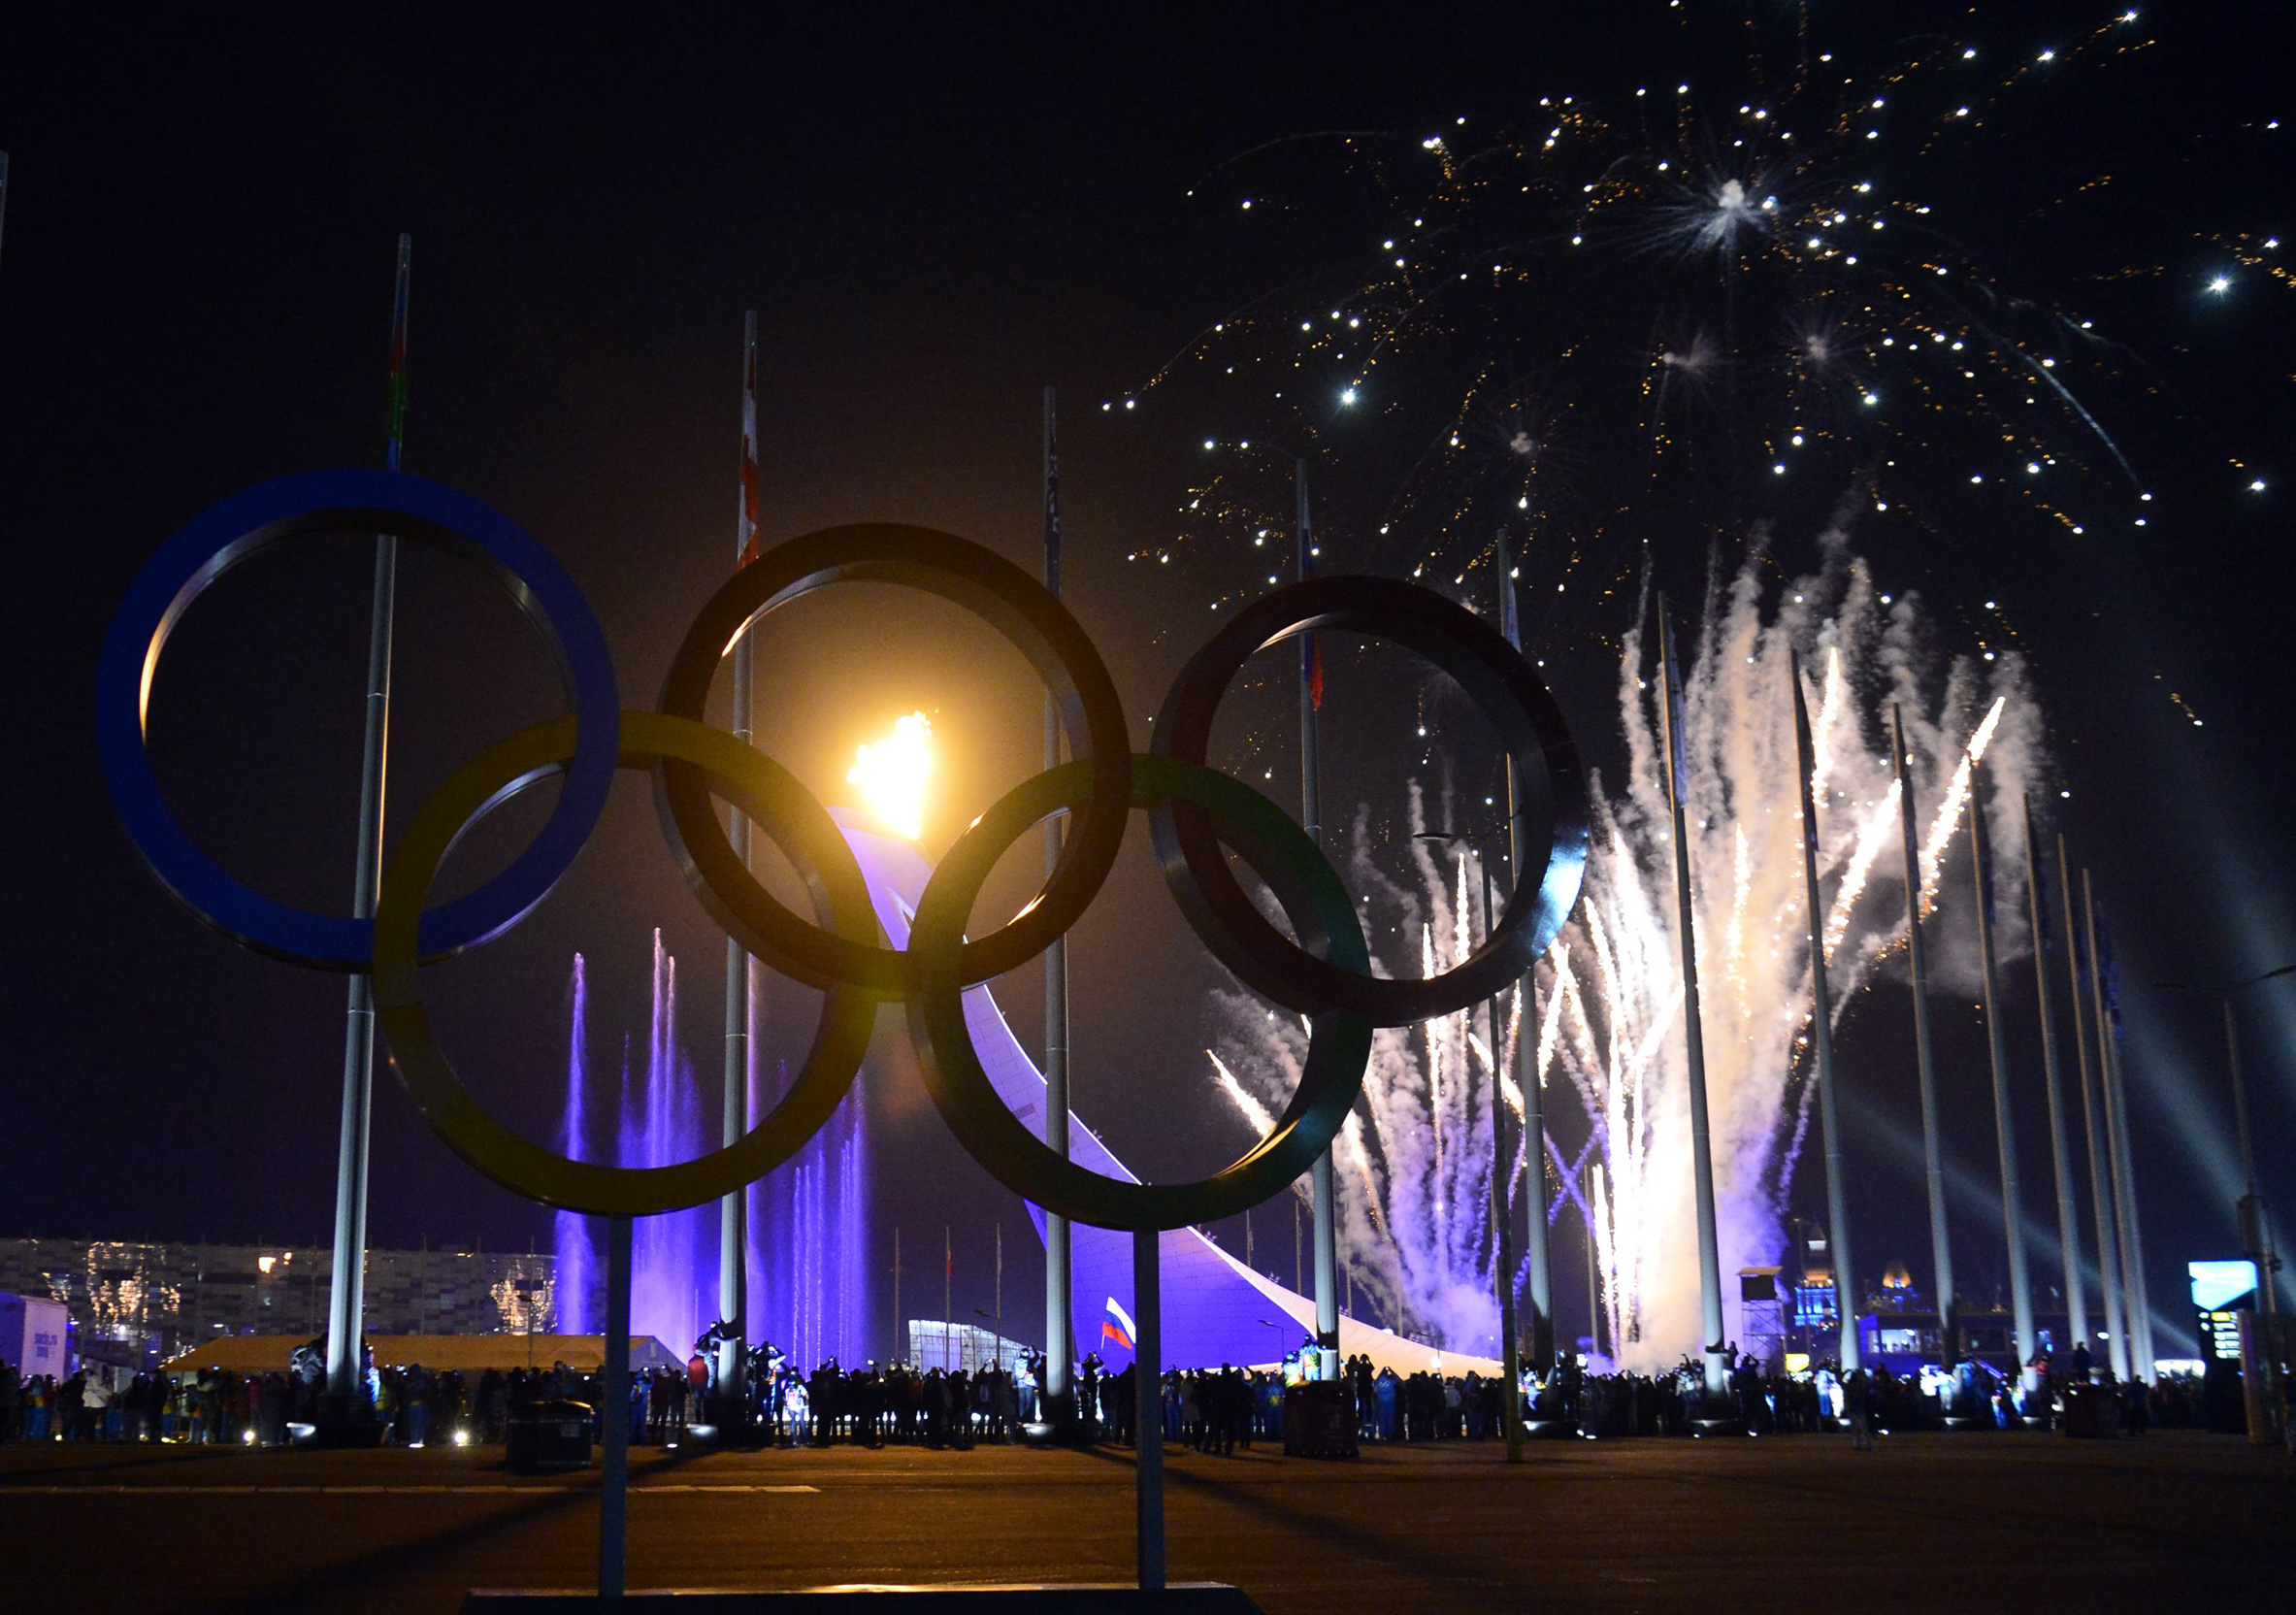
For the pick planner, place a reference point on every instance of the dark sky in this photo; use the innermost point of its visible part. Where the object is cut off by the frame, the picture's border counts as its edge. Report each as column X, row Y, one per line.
column 935, row 216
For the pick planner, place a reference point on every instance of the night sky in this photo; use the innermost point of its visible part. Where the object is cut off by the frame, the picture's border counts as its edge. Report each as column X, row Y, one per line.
column 934, row 218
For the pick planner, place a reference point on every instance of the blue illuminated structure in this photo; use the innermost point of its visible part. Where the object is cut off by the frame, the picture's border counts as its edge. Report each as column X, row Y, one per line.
column 1215, row 1308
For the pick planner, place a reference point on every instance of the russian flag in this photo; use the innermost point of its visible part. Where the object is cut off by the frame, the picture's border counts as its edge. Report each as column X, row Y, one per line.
column 1117, row 1325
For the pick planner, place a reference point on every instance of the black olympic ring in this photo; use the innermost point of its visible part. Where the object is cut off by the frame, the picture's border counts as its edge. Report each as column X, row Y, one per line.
column 1018, row 607
column 1551, row 809
column 1322, row 970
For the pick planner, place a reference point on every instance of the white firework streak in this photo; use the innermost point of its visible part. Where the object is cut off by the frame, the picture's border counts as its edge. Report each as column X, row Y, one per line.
column 1607, row 995
column 1957, row 798
column 1880, row 826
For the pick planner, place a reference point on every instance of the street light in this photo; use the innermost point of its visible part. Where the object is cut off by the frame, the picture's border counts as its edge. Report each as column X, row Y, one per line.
column 2256, row 1228
column 1502, row 1255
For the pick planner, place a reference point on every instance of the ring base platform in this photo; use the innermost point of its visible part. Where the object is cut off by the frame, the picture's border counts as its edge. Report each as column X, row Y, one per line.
column 1187, row 1598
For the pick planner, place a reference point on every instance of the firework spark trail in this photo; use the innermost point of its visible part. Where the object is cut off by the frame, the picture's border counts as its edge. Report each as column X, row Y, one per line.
column 1957, row 798
column 1611, row 984
column 1757, row 277
column 1880, row 827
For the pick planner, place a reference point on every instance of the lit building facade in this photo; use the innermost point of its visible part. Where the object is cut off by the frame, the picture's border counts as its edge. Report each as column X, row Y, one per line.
column 136, row 1303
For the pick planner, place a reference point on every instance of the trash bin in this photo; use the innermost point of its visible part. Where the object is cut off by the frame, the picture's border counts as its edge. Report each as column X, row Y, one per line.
column 2091, row 1413
column 545, row 1435
column 1320, row 1419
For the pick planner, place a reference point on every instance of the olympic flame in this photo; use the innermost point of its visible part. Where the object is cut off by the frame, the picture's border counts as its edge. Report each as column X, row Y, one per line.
column 891, row 775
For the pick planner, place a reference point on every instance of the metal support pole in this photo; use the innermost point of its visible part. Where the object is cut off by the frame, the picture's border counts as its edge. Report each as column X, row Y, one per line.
column 1311, row 815
column 1941, row 1244
column 1822, row 1037
column 1537, row 1254
column 2131, row 1301
column 2100, row 1181
column 733, row 1213
column 613, row 1390
column 2012, row 1212
column 1710, row 1299
column 1148, row 1407
column 1059, row 1347
column 2060, row 1158
column 1502, row 1252
column 2255, row 1229
column 2117, row 1144
column 346, row 1295
column 1593, row 1284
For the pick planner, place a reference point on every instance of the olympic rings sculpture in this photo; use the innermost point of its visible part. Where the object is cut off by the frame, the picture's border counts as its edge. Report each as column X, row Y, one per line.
column 1197, row 817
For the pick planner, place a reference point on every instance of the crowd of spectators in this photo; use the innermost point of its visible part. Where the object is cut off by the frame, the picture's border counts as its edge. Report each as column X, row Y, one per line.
column 1211, row 1410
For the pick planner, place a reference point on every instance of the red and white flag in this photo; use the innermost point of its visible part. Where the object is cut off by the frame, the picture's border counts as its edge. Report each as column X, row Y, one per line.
column 746, row 528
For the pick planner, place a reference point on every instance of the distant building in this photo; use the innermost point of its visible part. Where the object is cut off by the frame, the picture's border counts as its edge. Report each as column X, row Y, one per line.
column 137, row 1303
column 935, row 1344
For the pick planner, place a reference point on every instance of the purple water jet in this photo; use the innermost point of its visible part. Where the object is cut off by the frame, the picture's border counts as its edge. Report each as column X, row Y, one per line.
column 806, row 1256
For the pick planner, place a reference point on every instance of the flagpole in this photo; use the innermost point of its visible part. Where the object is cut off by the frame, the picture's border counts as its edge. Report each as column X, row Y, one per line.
column 2124, row 1210
column 2141, row 1306
column 733, row 1211
column 1058, row 1327
column 1311, row 813
column 1822, row 1037
column 1941, row 1245
column 2012, row 1212
column 2100, row 1181
column 2060, row 1158
column 1537, row 1250
column 1710, row 1299
column 346, row 1293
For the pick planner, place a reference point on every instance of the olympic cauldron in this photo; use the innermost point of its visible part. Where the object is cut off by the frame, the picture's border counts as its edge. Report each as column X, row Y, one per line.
column 1322, row 971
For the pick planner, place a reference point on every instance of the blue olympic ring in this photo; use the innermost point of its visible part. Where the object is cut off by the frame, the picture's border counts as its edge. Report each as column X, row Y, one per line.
column 424, row 512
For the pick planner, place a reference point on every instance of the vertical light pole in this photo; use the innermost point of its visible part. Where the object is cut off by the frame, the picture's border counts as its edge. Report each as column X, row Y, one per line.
column 1710, row 1301
column 733, row 1223
column 346, row 1297
column 1537, row 1253
column 1052, row 1393
column 2061, row 1157
column 1311, row 815
column 2100, row 1181
column 1822, row 1037
column 2013, row 1214
column 1933, row 1157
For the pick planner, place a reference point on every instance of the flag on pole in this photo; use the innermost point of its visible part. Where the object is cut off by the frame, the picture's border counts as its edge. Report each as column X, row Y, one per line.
column 1117, row 1325
column 747, row 528
column 1315, row 672
column 1676, row 759
column 398, row 422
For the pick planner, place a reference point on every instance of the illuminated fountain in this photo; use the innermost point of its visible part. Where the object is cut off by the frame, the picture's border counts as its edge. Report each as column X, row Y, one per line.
column 807, row 1252
column 808, row 1241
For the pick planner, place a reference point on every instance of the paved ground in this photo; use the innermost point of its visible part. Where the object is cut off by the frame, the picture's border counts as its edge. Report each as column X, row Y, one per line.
column 1977, row 1523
